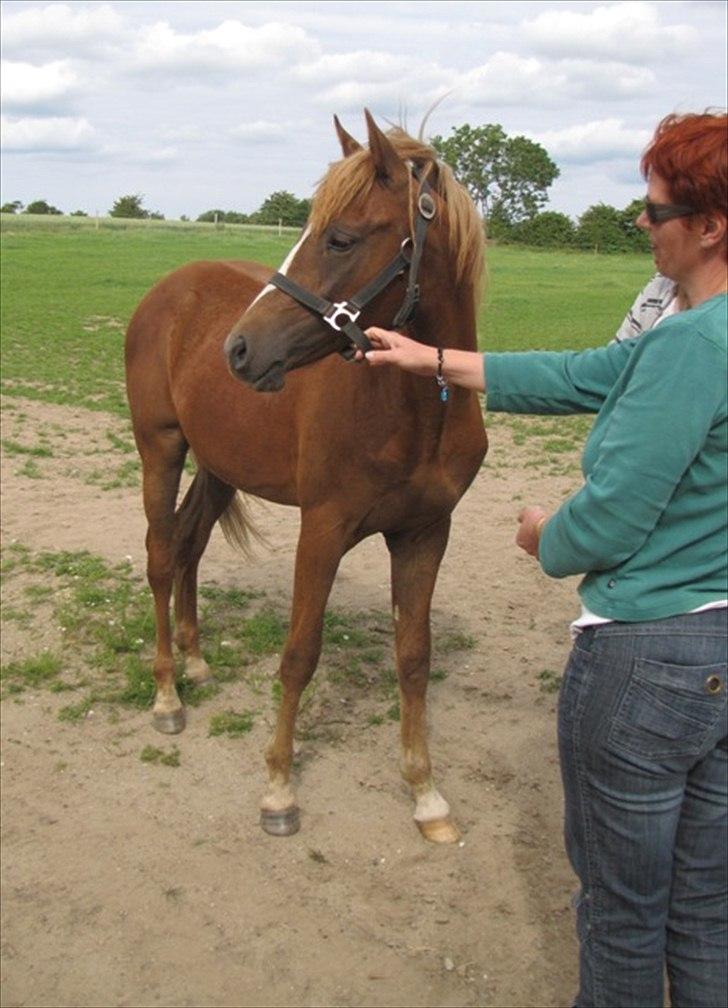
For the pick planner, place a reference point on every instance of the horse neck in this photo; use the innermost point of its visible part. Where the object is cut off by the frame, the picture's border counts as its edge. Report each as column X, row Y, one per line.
column 452, row 324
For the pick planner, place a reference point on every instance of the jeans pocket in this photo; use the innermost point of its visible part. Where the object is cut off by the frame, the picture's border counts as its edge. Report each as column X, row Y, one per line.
column 668, row 710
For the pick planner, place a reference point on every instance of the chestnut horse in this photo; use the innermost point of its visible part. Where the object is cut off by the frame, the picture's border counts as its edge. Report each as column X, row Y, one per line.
column 359, row 451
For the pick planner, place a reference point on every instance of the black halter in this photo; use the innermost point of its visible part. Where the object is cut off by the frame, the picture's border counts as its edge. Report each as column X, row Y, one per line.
column 342, row 315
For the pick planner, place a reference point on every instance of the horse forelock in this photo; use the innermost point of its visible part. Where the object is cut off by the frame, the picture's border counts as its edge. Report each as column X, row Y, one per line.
column 352, row 179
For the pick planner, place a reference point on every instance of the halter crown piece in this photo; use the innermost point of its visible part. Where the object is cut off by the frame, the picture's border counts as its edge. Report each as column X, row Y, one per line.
column 342, row 315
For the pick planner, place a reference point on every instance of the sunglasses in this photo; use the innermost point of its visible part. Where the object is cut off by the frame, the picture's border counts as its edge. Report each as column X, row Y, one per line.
column 658, row 213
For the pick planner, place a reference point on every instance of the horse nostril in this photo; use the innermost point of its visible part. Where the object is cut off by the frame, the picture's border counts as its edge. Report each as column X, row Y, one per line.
column 237, row 354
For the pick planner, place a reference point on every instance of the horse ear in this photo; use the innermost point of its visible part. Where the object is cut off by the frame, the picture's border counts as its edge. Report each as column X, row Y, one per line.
column 348, row 144
column 387, row 162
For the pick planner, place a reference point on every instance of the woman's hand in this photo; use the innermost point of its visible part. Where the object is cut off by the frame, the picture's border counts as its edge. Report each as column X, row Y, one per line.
column 459, row 367
column 531, row 521
column 393, row 348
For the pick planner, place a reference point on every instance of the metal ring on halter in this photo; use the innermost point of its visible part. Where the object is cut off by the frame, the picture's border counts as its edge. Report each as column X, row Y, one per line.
column 406, row 249
column 426, row 206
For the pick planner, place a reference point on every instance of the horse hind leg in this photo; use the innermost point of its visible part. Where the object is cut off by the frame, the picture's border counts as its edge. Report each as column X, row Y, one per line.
column 207, row 500
column 415, row 559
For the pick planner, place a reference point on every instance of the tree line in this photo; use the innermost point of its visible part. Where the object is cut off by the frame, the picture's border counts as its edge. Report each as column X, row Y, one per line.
column 279, row 208
column 507, row 177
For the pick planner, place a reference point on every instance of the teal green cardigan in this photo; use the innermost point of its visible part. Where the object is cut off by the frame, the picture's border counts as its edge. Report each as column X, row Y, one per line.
column 649, row 526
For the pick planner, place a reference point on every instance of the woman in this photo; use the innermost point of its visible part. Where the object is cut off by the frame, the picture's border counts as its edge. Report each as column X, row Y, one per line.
column 642, row 711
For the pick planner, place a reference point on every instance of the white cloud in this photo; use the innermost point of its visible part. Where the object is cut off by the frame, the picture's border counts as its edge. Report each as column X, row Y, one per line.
column 232, row 46
column 606, row 81
column 365, row 64
column 27, row 86
column 625, row 32
column 601, row 140
column 260, row 131
column 184, row 133
column 59, row 133
column 508, row 79
column 351, row 81
column 59, row 25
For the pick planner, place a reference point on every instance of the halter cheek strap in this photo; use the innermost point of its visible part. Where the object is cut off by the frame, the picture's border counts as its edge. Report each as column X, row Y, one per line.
column 342, row 315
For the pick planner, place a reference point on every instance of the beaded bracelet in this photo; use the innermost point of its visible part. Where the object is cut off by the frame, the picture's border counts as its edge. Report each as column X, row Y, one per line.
column 440, row 378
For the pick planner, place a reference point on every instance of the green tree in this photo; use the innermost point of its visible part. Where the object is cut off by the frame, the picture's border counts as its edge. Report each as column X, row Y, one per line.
column 223, row 217
column 41, row 207
column 507, row 177
column 15, row 207
column 637, row 238
column 210, row 216
column 129, row 206
column 284, row 207
column 546, row 230
column 601, row 229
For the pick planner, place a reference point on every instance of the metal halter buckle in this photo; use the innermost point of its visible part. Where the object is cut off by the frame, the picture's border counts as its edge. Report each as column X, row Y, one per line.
column 341, row 308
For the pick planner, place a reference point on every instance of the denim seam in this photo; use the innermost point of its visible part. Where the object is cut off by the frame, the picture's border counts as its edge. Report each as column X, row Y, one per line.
column 584, row 805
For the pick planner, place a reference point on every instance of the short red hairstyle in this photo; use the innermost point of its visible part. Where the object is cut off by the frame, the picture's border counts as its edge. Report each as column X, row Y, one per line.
column 690, row 152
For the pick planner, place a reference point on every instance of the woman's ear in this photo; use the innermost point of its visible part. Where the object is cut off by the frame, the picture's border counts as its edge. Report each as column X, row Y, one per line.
column 713, row 229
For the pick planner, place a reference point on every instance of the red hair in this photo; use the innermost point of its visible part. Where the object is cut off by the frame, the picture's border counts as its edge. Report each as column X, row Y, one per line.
column 690, row 152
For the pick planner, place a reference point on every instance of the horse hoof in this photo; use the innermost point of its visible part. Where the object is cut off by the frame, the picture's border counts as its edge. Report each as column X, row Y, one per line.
column 171, row 723
column 439, row 831
column 283, row 823
column 198, row 671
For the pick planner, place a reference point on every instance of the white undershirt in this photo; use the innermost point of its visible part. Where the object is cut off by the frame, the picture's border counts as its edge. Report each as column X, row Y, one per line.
column 589, row 618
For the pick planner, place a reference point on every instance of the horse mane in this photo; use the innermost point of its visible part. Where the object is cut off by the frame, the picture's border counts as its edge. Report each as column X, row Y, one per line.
column 353, row 178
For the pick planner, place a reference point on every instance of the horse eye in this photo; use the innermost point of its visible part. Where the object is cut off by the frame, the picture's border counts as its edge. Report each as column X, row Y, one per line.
column 338, row 241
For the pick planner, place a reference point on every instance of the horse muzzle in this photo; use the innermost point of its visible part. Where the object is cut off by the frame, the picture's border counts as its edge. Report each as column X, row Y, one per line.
column 265, row 377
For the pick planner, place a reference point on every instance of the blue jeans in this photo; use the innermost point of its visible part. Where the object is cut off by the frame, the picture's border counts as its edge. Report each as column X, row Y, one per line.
column 642, row 741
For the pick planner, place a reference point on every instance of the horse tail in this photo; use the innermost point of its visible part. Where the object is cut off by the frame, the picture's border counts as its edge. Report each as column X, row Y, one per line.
column 238, row 527
column 208, row 500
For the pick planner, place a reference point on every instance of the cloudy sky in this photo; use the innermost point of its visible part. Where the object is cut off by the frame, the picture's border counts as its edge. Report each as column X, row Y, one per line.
column 198, row 105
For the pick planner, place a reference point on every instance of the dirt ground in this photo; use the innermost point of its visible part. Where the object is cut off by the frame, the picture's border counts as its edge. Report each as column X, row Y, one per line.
column 126, row 883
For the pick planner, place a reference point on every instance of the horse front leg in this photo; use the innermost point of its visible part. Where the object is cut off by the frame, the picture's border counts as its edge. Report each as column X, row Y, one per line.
column 320, row 548
column 415, row 558
column 163, row 455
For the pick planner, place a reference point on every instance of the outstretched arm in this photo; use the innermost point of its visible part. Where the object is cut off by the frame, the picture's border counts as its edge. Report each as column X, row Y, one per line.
column 459, row 367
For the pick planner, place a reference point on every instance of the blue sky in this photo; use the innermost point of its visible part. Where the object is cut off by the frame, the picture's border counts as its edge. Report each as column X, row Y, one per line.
column 198, row 105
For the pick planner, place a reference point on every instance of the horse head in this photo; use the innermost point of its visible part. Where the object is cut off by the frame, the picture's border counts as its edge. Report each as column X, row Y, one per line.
column 378, row 215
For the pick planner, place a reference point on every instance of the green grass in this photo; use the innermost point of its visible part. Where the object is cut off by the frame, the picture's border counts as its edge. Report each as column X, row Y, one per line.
column 68, row 294
column 151, row 754
column 231, row 723
column 41, row 670
column 69, row 290
column 557, row 300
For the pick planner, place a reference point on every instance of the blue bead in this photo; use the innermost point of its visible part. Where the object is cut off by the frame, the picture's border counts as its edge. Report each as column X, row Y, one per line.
column 443, row 394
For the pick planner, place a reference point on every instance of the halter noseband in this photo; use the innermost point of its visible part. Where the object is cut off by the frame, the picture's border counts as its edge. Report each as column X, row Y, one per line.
column 342, row 315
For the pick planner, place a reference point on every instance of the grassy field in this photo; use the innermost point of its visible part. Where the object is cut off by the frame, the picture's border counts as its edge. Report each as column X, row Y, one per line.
column 69, row 289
